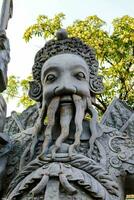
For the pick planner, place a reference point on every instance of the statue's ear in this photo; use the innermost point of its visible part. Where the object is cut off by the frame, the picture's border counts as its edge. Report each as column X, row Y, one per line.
column 96, row 85
column 35, row 91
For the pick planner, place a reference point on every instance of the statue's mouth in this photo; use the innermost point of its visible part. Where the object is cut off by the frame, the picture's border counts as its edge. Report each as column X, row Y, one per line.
column 67, row 99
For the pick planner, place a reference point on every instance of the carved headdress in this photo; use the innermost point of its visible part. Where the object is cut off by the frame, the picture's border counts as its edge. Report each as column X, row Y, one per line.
column 64, row 44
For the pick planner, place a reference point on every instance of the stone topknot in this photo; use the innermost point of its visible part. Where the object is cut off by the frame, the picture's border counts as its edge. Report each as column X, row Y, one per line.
column 61, row 34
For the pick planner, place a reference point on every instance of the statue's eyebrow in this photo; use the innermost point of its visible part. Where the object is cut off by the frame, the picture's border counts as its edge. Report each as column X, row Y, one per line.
column 80, row 66
column 49, row 69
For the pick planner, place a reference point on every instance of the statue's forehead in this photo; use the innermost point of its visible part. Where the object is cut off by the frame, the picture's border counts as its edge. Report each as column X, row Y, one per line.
column 65, row 60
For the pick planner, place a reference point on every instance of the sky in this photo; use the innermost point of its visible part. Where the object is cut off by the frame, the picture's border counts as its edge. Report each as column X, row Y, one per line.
column 25, row 13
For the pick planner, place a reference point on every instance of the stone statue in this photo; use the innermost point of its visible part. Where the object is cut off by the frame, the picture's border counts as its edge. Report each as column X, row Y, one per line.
column 5, row 143
column 61, row 154
column 4, row 59
column 5, row 15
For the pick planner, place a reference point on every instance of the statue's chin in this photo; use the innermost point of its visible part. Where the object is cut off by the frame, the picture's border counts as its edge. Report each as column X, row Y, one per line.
column 66, row 104
column 66, row 101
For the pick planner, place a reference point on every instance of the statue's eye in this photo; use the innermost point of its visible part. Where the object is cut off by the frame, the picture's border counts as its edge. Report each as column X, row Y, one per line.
column 50, row 78
column 80, row 75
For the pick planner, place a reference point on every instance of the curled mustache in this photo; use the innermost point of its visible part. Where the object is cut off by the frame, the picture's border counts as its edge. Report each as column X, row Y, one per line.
column 80, row 105
column 66, row 114
column 52, row 108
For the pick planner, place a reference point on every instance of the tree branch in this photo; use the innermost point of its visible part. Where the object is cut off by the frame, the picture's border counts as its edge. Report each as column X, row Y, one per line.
column 109, row 61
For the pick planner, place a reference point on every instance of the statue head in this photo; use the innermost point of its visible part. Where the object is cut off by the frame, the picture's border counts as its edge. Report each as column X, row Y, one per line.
column 65, row 74
column 64, row 50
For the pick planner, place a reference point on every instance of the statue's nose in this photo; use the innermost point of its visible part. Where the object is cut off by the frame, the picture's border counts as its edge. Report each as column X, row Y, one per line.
column 65, row 89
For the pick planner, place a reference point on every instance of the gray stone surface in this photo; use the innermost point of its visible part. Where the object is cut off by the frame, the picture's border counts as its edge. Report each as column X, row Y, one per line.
column 69, row 157
column 4, row 60
column 5, row 145
column 6, row 11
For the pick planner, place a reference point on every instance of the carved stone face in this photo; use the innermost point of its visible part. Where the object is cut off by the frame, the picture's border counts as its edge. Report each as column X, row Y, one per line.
column 65, row 75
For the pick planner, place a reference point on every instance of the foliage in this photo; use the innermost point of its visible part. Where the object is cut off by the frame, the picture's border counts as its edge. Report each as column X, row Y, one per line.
column 12, row 88
column 19, row 89
column 114, row 51
column 45, row 26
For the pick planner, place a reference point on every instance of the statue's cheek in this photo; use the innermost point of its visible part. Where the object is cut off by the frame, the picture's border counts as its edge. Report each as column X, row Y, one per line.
column 83, row 89
column 48, row 92
column 35, row 90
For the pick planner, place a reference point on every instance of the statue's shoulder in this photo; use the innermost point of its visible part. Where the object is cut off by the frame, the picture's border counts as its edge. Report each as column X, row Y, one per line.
column 17, row 126
column 118, row 126
column 18, row 122
column 117, row 115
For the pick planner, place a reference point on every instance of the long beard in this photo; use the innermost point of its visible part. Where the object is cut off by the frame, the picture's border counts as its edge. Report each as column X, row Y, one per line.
column 66, row 111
